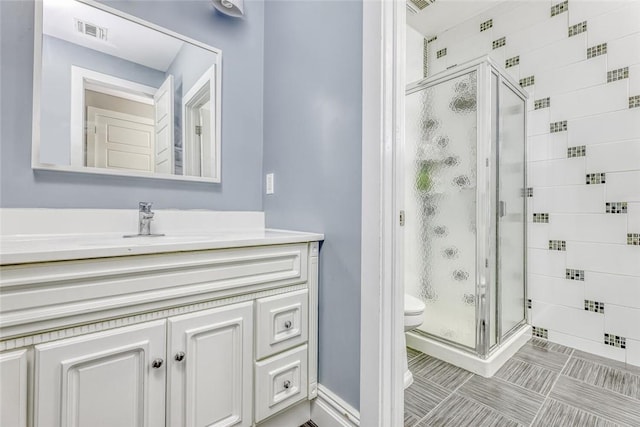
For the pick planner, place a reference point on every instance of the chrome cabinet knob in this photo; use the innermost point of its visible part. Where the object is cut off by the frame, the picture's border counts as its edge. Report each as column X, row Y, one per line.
column 157, row 363
column 179, row 356
column 287, row 384
column 287, row 324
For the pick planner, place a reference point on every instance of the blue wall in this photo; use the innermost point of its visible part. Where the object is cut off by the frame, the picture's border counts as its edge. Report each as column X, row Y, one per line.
column 312, row 142
column 241, row 42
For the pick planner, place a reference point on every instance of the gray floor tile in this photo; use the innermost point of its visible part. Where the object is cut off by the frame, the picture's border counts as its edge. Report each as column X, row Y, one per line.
column 607, row 362
column 558, row 414
column 438, row 371
column 604, row 403
column 551, row 346
column 510, row 400
column 411, row 353
column 420, row 398
column 458, row 411
column 613, row 379
column 527, row 375
column 544, row 357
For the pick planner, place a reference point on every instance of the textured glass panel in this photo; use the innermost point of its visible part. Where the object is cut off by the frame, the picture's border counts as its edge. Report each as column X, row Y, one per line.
column 440, row 206
column 512, row 221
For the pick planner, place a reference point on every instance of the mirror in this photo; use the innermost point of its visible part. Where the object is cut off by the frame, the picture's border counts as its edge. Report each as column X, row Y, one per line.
column 116, row 95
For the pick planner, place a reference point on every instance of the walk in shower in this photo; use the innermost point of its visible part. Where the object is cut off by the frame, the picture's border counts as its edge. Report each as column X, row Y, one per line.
column 465, row 213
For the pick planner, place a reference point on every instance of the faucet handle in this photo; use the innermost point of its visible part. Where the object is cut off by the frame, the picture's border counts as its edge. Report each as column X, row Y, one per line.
column 145, row 207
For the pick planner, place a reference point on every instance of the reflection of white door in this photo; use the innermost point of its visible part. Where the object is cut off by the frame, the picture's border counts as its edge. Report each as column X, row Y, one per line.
column 119, row 140
column 163, row 100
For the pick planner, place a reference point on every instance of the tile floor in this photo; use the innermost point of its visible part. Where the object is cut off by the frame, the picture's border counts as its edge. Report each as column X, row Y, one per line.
column 544, row 384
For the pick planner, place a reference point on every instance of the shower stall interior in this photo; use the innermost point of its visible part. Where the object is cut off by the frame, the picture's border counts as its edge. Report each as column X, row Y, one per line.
column 465, row 211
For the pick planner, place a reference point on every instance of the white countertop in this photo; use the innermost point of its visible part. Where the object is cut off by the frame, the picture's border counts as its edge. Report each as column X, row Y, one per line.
column 20, row 249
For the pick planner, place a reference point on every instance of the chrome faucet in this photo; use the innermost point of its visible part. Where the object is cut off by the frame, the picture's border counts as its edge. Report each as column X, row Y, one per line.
column 145, row 216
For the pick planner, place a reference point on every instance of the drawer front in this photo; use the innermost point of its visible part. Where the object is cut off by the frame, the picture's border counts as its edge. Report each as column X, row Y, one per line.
column 281, row 323
column 281, row 381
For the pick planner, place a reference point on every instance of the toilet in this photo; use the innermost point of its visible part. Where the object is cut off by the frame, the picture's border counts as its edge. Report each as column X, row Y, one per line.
column 413, row 311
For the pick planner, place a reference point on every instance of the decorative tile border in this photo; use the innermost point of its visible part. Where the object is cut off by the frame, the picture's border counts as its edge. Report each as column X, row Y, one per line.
column 557, row 245
column 633, row 239
column 594, row 306
column 597, row 50
column 528, row 81
column 499, row 42
column 559, row 8
column 573, row 274
column 541, row 217
column 578, row 151
column 527, row 192
column 541, row 103
column 441, row 53
column 558, row 126
column 596, row 178
column 512, row 62
column 578, row 28
column 615, row 340
column 616, row 207
column 486, row 25
column 634, row 101
column 539, row 332
column 619, row 74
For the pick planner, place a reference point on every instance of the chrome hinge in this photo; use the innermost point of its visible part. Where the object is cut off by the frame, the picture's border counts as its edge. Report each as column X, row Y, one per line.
column 401, row 218
column 198, row 130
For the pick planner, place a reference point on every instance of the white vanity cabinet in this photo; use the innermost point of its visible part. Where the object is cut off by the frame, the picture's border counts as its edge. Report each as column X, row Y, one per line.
column 13, row 393
column 210, row 367
column 111, row 378
column 223, row 337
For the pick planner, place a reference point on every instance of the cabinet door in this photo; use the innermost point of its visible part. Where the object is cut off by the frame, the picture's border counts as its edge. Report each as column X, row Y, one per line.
column 13, row 389
column 210, row 374
column 111, row 378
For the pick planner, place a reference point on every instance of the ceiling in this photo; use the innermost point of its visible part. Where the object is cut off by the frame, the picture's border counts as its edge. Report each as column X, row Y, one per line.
column 125, row 39
column 441, row 15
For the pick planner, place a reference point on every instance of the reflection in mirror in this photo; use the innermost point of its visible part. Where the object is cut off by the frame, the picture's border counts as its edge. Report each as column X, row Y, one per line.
column 118, row 95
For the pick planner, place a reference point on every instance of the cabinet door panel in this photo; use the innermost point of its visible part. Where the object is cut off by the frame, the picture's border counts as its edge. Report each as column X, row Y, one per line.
column 103, row 379
column 212, row 384
column 13, row 389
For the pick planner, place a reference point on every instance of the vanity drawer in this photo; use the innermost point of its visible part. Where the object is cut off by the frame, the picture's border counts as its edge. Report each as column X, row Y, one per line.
column 281, row 322
column 281, row 381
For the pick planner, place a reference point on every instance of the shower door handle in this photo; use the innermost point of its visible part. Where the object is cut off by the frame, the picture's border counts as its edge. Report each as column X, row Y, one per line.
column 502, row 208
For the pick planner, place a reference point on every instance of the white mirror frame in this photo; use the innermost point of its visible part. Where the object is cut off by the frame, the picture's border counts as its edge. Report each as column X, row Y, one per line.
column 213, row 75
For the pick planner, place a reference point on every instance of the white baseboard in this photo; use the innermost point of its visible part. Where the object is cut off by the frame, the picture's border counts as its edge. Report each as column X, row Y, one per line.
column 329, row 410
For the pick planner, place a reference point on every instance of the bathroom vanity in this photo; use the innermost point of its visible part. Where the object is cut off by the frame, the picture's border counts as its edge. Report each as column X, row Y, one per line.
column 214, row 328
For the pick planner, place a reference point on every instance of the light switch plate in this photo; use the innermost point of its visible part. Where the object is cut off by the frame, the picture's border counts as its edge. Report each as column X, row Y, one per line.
column 270, row 183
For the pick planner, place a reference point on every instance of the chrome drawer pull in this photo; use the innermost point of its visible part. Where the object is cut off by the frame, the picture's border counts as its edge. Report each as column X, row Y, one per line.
column 157, row 363
column 179, row 356
column 287, row 384
column 287, row 324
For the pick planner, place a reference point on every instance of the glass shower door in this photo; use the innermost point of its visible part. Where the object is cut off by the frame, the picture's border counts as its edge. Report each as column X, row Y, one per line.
column 440, row 206
column 511, row 210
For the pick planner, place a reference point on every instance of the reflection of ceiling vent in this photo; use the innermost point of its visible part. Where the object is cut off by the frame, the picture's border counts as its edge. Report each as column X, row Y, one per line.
column 416, row 6
column 91, row 30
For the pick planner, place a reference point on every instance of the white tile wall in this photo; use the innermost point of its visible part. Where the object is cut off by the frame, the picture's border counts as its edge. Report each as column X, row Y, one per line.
column 610, row 127
column 614, row 157
column 598, row 116
column 612, row 288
